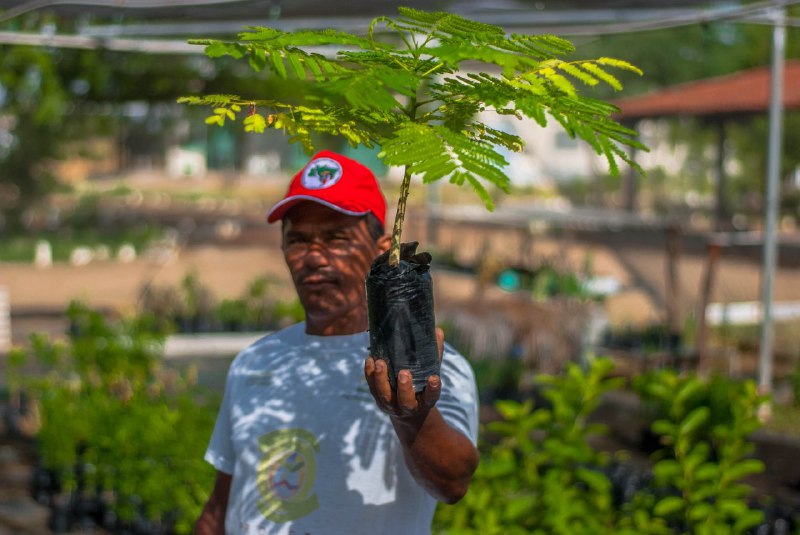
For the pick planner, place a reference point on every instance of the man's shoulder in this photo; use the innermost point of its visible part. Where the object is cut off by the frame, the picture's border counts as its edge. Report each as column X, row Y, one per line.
column 292, row 334
column 280, row 340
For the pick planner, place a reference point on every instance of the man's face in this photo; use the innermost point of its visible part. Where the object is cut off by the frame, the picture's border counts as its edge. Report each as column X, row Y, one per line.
column 329, row 255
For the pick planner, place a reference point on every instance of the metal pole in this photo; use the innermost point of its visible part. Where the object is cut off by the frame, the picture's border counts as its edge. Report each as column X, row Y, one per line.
column 772, row 207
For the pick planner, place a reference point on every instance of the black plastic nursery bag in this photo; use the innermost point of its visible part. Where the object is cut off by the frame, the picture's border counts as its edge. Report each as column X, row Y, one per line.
column 402, row 327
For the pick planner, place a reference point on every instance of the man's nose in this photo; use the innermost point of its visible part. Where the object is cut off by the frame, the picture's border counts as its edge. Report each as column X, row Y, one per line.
column 317, row 254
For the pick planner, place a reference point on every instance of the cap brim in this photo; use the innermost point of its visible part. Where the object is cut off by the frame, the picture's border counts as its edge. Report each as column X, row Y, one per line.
column 279, row 210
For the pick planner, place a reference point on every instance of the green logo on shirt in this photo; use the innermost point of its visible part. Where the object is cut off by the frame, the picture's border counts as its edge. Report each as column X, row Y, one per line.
column 286, row 474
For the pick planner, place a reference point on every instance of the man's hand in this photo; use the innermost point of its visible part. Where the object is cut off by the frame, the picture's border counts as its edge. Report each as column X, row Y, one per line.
column 440, row 458
column 404, row 403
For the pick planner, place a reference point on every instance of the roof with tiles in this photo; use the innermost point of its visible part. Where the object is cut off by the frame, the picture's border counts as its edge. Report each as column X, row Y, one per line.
column 739, row 93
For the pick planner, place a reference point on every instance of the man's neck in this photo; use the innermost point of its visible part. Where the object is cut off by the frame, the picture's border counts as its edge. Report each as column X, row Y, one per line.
column 337, row 326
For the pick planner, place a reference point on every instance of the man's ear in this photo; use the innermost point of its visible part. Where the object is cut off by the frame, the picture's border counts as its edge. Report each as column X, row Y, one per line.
column 384, row 242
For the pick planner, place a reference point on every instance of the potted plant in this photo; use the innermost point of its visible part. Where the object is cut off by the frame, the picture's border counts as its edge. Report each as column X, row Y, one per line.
column 401, row 87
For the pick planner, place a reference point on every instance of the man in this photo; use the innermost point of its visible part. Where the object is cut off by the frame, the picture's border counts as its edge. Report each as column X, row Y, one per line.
column 303, row 444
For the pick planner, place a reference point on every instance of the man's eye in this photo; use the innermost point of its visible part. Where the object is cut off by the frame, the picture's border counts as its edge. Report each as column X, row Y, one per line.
column 339, row 239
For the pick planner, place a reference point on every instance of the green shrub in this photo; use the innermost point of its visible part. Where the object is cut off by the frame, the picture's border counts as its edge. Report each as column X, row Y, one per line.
column 704, row 426
column 191, row 307
column 114, row 421
column 539, row 474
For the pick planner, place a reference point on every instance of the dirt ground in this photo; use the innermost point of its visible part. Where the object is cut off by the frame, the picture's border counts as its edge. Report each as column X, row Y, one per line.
column 228, row 269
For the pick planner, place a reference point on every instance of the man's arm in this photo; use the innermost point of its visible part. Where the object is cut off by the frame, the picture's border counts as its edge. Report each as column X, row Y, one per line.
column 441, row 458
column 212, row 519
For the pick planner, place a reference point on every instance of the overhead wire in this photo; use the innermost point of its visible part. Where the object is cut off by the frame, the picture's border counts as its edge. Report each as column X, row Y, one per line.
column 706, row 16
column 36, row 5
column 755, row 13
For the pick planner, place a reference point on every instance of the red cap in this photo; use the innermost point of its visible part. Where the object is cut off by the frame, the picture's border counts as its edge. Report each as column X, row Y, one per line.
column 337, row 182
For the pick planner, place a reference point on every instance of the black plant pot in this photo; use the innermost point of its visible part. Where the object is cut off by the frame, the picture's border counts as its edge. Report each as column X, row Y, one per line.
column 402, row 326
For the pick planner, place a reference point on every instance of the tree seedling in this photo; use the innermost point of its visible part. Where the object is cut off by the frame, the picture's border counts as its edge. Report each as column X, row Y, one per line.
column 417, row 87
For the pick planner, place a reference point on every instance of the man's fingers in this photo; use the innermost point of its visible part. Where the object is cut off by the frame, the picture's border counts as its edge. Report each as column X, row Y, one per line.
column 383, row 390
column 406, row 398
column 432, row 391
column 369, row 373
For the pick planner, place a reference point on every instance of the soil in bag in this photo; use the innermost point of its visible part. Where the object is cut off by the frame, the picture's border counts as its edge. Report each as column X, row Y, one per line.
column 402, row 327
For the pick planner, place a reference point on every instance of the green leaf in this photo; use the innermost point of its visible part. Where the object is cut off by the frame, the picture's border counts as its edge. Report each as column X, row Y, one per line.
column 732, row 508
column 694, row 420
column 517, row 507
column 620, row 64
column 748, row 520
column 663, row 427
column 274, row 39
column 743, row 468
column 697, row 456
column 601, row 74
column 209, row 100
column 561, row 83
column 668, row 506
column 257, row 59
column 512, row 409
column 689, row 389
column 216, row 49
column 667, row 470
column 707, row 472
column 255, row 123
column 313, row 65
column 701, row 512
column 596, row 481
column 277, row 63
column 572, row 70
column 296, row 64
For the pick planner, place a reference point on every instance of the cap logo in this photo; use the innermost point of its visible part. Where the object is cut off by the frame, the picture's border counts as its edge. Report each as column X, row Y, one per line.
column 321, row 173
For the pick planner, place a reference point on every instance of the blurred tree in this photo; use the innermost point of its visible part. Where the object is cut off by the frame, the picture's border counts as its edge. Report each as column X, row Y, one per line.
column 50, row 98
column 678, row 55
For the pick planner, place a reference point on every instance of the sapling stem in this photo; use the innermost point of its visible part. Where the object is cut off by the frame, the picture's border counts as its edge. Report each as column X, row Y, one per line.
column 397, row 231
column 394, row 252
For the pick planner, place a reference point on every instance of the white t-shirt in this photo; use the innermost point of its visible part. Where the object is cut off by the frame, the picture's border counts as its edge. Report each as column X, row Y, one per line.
column 310, row 452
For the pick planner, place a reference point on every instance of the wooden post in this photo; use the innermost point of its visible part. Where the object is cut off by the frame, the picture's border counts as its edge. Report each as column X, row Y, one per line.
column 5, row 320
column 630, row 184
column 721, row 216
column 672, row 288
column 701, row 344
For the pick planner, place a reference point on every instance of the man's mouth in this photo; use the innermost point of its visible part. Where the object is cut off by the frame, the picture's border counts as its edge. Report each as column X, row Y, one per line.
column 317, row 282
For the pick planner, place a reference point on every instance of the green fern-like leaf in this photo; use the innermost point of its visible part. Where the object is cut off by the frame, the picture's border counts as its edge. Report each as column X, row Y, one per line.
column 273, row 38
column 442, row 24
column 209, row 100
column 558, row 81
column 602, row 74
column 576, row 72
column 402, row 87
column 619, row 64
column 216, row 49
column 436, row 152
column 452, row 54
column 493, row 136
column 255, row 123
